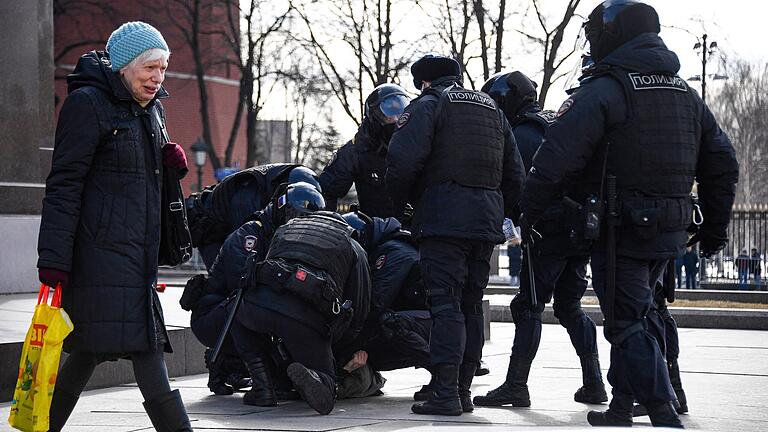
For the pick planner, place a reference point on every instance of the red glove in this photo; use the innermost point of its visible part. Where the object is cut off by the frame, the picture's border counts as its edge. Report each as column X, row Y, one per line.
column 174, row 157
column 51, row 277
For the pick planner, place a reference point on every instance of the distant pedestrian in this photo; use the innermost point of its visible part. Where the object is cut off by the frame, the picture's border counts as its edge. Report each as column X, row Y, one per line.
column 679, row 271
column 691, row 263
column 755, row 266
column 742, row 266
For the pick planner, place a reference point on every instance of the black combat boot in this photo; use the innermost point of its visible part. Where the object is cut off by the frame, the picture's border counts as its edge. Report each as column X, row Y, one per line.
column 593, row 390
column 318, row 390
column 467, row 372
column 262, row 392
column 62, row 405
column 665, row 415
column 238, row 376
column 619, row 412
column 482, row 370
column 167, row 413
column 426, row 390
column 445, row 399
column 514, row 390
column 217, row 377
column 677, row 386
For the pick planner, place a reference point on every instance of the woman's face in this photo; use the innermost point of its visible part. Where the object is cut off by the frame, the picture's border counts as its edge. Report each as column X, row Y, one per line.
column 144, row 80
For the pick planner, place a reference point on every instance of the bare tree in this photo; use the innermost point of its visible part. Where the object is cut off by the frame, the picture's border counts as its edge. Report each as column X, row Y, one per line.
column 741, row 107
column 550, row 41
column 191, row 18
column 92, row 20
column 491, row 39
column 364, row 29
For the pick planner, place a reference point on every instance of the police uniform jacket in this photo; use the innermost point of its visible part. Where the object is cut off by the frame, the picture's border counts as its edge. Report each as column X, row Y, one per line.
column 448, row 208
column 251, row 240
column 392, row 259
column 658, row 137
column 361, row 161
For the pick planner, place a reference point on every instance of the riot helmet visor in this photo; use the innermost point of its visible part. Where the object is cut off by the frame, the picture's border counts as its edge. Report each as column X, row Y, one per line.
column 392, row 106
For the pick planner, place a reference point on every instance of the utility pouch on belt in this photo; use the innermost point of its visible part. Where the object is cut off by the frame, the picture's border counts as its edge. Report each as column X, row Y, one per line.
column 310, row 286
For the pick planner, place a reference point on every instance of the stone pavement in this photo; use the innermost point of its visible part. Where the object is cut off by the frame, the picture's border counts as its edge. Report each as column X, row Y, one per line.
column 725, row 373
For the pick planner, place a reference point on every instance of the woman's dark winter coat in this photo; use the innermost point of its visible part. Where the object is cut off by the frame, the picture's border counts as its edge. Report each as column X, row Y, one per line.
column 101, row 212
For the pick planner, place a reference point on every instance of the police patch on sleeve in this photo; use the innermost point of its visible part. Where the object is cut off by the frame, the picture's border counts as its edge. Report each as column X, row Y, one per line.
column 250, row 243
column 564, row 108
column 547, row 116
column 403, row 119
column 380, row 262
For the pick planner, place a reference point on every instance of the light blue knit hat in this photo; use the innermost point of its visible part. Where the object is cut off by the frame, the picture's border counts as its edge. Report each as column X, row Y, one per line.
column 130, row 40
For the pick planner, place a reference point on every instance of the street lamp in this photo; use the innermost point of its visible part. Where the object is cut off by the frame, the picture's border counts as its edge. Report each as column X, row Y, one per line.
column 200, row 148
column 705, row 53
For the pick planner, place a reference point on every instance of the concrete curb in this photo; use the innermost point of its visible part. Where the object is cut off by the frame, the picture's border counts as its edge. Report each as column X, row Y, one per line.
column 758, row 297
column 186, row 359
column 742, row 319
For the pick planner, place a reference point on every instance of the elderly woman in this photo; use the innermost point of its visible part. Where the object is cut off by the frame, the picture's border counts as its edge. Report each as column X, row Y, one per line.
column 100, row 230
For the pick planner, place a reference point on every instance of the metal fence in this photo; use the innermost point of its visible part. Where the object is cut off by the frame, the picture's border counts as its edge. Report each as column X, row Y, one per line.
column 743, row 261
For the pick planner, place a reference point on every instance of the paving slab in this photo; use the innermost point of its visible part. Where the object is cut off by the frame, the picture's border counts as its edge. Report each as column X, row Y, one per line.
column 724, row 372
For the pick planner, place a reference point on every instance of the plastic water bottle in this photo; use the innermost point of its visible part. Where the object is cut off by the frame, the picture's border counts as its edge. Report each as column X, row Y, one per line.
column 511, row 232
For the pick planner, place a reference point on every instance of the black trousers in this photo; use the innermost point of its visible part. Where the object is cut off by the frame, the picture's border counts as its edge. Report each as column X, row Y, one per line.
column 638, row 367
column 208, row 320
column 455, row 272
column 307, row 345
column 565, row 279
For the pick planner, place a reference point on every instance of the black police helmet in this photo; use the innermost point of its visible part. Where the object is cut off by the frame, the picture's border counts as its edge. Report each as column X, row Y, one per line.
column 511, row 91
column 304, row 174
column 615, row 22
column 385, row 103
column 363, row 225
column 431, row 67
column 299, row 199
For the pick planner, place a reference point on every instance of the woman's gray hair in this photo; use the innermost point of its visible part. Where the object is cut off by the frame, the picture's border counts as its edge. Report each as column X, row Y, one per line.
column 149, row 55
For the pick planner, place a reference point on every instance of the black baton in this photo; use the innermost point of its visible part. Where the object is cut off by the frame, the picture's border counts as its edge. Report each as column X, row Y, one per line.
column 214, row 353
column 531, row 278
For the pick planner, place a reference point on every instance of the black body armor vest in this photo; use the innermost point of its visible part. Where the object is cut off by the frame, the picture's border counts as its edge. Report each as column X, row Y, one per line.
column 369, row 181
column 468, row 146
column 654, row 154
column 319, row 241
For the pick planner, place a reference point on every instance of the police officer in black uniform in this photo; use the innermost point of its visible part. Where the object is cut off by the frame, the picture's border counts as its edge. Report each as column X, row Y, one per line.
column 453, row 157
column 219, row 210
column 559, row 265
column 362, row 160
column 394, row 261
column 637, row 137
column 210, row 298
column 312, row 290
column 399, row 321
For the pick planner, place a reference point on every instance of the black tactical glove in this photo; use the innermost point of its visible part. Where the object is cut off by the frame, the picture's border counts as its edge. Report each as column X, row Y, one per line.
column 528, row 234
column 196, row 288
column 710, row 243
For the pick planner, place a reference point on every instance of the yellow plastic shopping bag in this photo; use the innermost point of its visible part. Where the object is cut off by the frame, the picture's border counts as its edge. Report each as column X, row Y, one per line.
column 39, row 363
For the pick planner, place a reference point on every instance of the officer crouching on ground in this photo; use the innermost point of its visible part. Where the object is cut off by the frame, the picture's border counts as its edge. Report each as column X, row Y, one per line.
column 362, row 160
column 312, row 290
column 396, row 334
column 453, row 157
column 559, row 264
column 218, row 210
column 637, row 136
column 210, row 298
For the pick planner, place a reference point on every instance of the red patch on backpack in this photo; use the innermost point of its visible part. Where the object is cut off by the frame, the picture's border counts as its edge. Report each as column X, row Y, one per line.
column 301, row 275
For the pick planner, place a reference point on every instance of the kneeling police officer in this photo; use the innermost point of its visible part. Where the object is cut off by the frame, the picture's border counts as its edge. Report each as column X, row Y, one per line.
column 211, row 298
column 218, row 210
column 636, row 136
column 559, row 264
column 311, row 291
